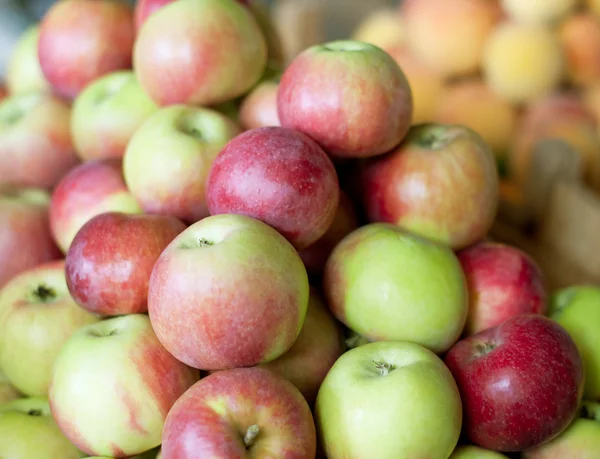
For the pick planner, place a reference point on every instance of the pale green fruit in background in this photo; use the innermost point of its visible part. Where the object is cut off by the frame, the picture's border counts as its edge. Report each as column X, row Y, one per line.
column 475, row 452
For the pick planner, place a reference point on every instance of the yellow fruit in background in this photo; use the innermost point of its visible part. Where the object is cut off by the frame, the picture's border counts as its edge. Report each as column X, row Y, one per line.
column 538, row 11
column 383, row 27
column 523, row 63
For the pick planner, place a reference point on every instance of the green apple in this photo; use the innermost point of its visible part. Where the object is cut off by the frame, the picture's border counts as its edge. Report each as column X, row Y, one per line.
column 37, row 316
column 152, row 454
column 475, row 452
column 7, row 391
column 577, row 309
column 581, row 440
column 113, row 385
column 387, row 284
column 388, row 400
column 24, row 73
column 167, row 161
column 107, row 113
column 28, row 431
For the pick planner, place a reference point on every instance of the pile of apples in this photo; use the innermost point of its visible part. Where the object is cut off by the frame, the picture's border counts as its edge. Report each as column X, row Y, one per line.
column 208, row 253
column 516, row 71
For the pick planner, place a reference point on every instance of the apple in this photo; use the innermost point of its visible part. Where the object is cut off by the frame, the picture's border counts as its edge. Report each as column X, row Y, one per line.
column 388, row 284
column 441, row 183
column 581, row 440
column 388, row 399
column 199, row 52
column 37, row 316
column 344, row 222
column 24, row 73
column 151, row 454
column 81, row 40
column 29, row 431
column 113, row 385
column 25, row 237
column 382, row 27
column 229, row 291
column 312, row 355
column 107, row 113
column 88, row 190
column 475, row 452
column 167, row 161
column 580, row 38
column 259, row 107
column 539, row 12
column 349, row 96
column 7, row 391
column 241, row 413
column 279, row 176
column 35, row 143
column 503, row 282
column 577, row 309
column 520, row 382
column 110, row 260
column 145, row 8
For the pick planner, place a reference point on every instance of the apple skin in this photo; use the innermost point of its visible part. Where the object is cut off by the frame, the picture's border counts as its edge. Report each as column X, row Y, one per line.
column 577, row 309
column 7, row 391
column 24, row 73
column 387, row 284
column 25, row 237
column 397, row 386
column 199, row 52
column 475, row 452
column 168, row 159
column 319, row 345
column 344, row 222
column 259, row 107
column 581, row 440
column 503, row 282
column 29, row 431
column 213, row 417
column 113, row 385
column 349, row 96
column 228, row 292
column 110, row 260
column 106, row 114
column 37, row 316
column 520, row 382
column 90, row 189
column 81, row 40
column 35, row 142
column 279, row 176
column 145, row 8
column 441, row 182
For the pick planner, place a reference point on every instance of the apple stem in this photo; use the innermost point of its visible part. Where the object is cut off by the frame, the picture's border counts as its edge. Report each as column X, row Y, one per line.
column 44, row 293
column 251, row 435
column 204, row 242
column 384, row 368
column 484, row 348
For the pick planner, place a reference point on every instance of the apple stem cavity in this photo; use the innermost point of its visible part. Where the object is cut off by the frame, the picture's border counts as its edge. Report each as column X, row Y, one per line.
column 251, row 434
column 383, row 367
column 35, row 412
column 590, row 411
column 43, row 294
column 205, row 242
column 484, row 348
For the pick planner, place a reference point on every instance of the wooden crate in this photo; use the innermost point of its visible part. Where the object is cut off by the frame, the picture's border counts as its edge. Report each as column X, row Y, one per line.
column 555, row 218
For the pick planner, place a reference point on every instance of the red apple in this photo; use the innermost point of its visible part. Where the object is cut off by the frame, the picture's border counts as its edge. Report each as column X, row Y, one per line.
column 241, row 413
column 25, row 238
column 90, row 189
column 109, row 262
column 279, row 176
column 350, row 96
column 319, row 345
column 199, row 52
column 259, row 107
column 503, row 282
column 441, row 183
column 35, row 140
column 228, row 292
column 81, row 40
column 521, row 382
column 344, row 222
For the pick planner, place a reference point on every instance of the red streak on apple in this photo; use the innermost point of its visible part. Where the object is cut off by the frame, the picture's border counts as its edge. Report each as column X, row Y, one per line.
column 503, row 282
column 520, row 382
column 279, row 176
column 155, row 366
column 82, row 40
column 116, row 451
column 67, row 425
column 132, row 406
column 211, row 418
column 110, row 260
